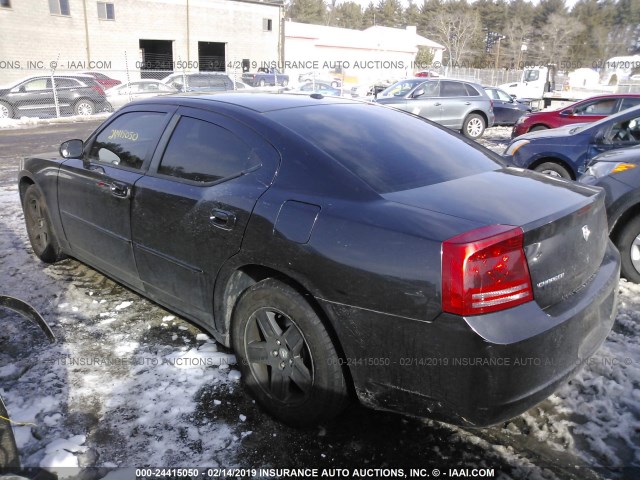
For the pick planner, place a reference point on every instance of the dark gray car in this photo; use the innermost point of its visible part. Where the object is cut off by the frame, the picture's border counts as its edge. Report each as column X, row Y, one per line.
column 455, row 104
column 76, row 95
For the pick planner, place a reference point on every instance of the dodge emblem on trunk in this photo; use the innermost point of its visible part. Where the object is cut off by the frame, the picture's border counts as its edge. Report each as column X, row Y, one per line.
column 585, row 233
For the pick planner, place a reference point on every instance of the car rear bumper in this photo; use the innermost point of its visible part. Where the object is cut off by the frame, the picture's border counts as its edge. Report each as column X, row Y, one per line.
column 476, row 371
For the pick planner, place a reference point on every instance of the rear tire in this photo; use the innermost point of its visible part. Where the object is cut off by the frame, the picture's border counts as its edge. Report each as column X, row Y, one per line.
column 39, row 229
column 6, row 111
column 288, row 361
column 553, row 170
column 473, row 126
column 285, row 82
column 628, row 243
column 84, row 107
column 538, row 128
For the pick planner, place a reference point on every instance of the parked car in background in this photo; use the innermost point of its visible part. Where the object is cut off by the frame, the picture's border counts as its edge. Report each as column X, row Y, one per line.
column 120, row 95
column 588, row 110
column 455, row 104
column 427, row 74
column 566, row 151
column 266, row 76
column 76, row 95
column 335, row 82
column 320, row 87
column 103, row 80
column 618, row 172
column 199, row 82
column 506, row 108
column 304, row 231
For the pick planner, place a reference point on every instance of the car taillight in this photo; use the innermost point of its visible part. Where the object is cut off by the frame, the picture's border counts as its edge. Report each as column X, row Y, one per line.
column 485, row 270
column 98, row 89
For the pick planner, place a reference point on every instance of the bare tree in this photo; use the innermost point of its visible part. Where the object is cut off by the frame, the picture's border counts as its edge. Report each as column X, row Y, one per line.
column 456, row 31
column 557, row 34
column 517, row 34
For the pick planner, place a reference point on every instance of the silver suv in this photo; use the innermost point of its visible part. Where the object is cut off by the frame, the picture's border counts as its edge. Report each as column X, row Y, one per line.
column 455, row 104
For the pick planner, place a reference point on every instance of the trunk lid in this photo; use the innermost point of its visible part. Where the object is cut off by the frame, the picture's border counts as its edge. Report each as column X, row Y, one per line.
column 564, row 224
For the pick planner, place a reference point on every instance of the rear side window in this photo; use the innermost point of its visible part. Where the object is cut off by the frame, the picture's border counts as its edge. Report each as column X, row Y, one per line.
column 128, row 140
column 205, row 152
column 66, row 83
column 471, row 91
column 629, row 102
column 387, row 149
column 452, row 89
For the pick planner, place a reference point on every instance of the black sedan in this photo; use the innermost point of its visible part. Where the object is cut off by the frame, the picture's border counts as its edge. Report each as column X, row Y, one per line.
column 618, row 172
column 506, row 108
column 566, row 151
column 340, row 248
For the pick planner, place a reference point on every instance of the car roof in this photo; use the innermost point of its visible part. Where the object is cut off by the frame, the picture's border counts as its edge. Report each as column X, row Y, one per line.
column 258, row 102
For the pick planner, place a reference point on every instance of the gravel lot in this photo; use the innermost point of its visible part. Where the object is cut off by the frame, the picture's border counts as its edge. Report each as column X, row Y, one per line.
column 129, row 384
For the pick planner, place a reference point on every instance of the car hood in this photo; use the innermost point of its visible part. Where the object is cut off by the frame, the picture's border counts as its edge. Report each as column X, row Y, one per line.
column 563, row 131
column 502, row 196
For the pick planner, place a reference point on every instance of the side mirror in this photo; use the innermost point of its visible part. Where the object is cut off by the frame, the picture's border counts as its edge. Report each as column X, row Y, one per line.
column 418, row 93
column 566, row 113
column 72, row 149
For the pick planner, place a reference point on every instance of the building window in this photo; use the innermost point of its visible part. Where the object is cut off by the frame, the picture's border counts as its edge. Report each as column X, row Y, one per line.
column 267, row 24
column 59, row 7
column 5, row 3
column 106, row 11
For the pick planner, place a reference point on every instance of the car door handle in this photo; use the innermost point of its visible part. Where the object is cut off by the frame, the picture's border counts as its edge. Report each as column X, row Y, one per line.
column 222, row 219
column 438, row 104
column 467, row 103
column 119, row 189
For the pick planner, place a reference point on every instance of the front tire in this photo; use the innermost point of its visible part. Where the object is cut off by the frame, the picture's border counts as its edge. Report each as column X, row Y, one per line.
column 287, row 359
column 285, row 82
column 5, row 110
column 84, row 107
column 261, row 83
column 473, row 126
column 628, row 243
column 553, row 170
column 39, row 229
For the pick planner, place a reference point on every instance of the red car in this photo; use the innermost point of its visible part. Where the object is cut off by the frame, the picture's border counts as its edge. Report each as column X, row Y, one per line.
column 427, row 73
column 102, row 79
column 585, row 111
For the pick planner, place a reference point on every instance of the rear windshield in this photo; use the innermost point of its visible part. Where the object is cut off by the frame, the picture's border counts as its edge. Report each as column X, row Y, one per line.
column 387, row 149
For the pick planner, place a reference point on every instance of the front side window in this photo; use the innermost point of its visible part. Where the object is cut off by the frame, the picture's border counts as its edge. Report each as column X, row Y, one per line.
column 503, row 96
column 626, row 131
column 532, row 76
column 106, row 11
column 38, row 84
column 597, row 107
column 400, row 89
column 5, row 4
column 59, row 7
column 128, row 140
column 204, row 152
